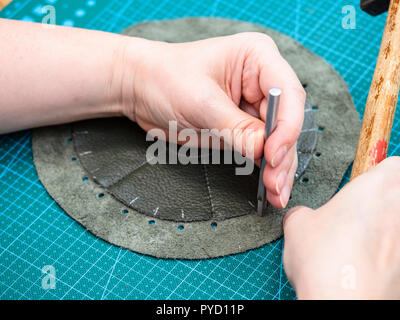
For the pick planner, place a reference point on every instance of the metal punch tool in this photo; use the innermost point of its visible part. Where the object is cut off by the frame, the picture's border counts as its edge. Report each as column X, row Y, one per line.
column 270, row 124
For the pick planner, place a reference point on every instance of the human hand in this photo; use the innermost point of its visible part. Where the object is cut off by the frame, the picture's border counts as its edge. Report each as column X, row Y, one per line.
column 220, row 83
column 350, row 247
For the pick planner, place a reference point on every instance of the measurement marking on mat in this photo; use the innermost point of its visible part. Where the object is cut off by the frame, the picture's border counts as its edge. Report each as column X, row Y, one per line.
column 183, row 215
column 155, row 211
column 133, row 201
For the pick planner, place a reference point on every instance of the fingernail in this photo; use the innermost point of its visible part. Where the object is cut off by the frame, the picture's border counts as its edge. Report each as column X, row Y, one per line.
column 279, row 155
column 285, row 194
column 280, row 181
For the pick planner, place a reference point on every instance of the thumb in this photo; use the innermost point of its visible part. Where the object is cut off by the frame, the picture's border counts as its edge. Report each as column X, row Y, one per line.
column 295, row 220
column 291, row 110
column 295, row 230
column 242, row 131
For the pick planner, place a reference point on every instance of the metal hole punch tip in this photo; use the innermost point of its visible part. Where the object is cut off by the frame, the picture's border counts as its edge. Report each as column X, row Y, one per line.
column 261, row 206
column 270, row 125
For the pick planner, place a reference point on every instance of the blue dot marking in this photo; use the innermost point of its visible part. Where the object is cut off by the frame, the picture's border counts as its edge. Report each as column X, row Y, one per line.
column 28, row 18
column 80, row 13
column 38, row 10
column 68, row 23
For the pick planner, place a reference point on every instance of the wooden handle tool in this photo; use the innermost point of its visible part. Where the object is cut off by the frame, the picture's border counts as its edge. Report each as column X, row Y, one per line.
column 382, row 98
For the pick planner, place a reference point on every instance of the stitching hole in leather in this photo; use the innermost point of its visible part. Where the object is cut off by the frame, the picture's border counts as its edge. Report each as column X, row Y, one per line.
column 305, row 180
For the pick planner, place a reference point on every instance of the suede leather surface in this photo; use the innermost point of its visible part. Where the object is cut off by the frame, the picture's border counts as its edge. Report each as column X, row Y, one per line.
column 110, row 153
column 113, row 152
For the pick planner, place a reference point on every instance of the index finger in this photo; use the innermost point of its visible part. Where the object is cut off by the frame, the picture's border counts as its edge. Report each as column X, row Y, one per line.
column 291, row 110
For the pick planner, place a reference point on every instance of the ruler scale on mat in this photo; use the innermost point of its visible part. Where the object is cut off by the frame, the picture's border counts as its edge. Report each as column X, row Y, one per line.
column 35, row 232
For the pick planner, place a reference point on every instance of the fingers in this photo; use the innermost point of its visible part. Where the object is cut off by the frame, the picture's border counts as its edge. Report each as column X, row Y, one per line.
column 250, row 109
column 295, row 220
column 239, row 128
column 296, row 224
column 276, row 200
column 284, row 136
column 279, row 180
column 290, row 213
column 293, row 169
column 280, row 148
column 276, row 72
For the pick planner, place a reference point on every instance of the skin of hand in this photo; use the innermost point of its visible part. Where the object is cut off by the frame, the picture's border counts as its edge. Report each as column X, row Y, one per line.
column 350, row 247
column 221, row 83
column 61, row 74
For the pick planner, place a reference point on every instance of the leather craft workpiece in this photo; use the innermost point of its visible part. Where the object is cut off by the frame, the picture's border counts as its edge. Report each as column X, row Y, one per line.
column 113, row 152
column 97, row 172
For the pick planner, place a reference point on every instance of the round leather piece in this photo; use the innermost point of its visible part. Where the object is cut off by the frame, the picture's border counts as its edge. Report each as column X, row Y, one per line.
column 113, row 152
column 96, row 171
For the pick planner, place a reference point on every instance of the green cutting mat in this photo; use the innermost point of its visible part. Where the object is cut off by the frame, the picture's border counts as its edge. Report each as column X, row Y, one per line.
column 35, row 232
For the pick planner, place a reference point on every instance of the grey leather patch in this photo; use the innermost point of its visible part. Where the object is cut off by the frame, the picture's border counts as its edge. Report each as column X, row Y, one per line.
column 113, row 152
column 129, row 203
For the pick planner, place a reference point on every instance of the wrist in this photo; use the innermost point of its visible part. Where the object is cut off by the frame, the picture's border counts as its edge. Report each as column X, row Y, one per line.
column 128, row 73
column 115, row 79
column 101, row 59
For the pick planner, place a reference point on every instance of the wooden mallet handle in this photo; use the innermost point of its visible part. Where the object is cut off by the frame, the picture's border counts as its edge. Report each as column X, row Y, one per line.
column 382, row 98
